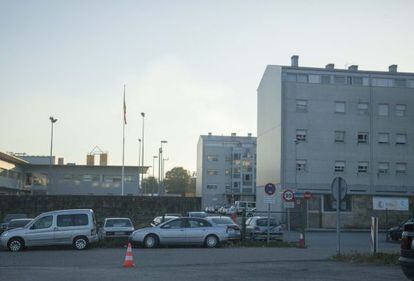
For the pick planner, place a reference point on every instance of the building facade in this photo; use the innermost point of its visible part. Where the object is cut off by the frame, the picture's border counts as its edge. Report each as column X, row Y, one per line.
column 226, row 169
column 315, row 124
column 34, row 176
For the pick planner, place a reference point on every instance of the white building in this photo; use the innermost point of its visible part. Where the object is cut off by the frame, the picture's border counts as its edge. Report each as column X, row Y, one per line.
column 315, row 124
column 226, row 169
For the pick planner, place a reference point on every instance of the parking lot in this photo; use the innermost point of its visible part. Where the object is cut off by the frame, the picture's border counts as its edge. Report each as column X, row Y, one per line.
column 225, row 263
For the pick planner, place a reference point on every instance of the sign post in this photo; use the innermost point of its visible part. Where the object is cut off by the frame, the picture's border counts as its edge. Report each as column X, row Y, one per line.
column 270, row 190
column 339, row 190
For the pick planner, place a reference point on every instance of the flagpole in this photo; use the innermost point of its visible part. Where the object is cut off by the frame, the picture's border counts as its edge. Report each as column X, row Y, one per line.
column 123, row 148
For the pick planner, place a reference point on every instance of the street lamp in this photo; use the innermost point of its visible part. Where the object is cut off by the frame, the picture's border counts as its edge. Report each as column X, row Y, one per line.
column 153, row 171
column 52, row 121
column 159, row 165
column 139, row 164
column 142, row 147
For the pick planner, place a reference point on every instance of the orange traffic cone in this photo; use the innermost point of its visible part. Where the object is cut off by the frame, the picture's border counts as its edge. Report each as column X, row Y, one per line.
column 129, row 259
column 301, row 243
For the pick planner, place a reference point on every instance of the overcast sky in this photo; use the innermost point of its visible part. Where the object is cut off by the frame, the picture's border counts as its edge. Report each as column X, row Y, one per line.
column 192, row 66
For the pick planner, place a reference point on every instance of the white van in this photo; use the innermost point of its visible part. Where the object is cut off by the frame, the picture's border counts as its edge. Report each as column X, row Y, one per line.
column 65, row 227
column 244, row 205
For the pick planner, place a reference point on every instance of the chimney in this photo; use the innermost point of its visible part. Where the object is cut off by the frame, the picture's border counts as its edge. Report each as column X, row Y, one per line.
column 60, row 161
column 294, row 60
column 392, row 68
column 103, row 159
column 330, row 66
column 353, row 67
column 233, row 134
column 90, row 160
column 249, row 134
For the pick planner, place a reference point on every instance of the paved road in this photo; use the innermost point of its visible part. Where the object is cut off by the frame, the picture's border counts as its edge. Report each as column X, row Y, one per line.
column 193, row 264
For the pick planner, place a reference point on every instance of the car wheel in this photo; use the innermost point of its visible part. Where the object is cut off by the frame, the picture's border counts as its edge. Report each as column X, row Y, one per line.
column 80, row 243
column 150, row 241
column 212, row 241
column 15, row 245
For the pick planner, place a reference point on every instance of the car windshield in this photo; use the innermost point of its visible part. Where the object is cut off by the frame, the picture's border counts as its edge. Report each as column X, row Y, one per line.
column 223, row 220
column 118, row 223
column 263, row 222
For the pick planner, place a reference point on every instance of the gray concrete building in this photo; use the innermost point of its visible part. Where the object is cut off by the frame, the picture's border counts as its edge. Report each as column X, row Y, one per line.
column 34, row 176
column 315, row 124
column 226, row 169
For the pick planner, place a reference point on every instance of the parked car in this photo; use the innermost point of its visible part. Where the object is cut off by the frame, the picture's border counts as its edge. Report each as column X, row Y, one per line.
column 160, row 219
column 65, row 227
column 197, row 214
column 407, row 251
column 181, row 231
column 233, row 229
column 256, row 228
column 116, row 228
column 394, row 233
column 16, row 223
column 10, row 217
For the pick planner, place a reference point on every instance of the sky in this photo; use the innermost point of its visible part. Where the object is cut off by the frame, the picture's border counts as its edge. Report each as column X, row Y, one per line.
column 192, row 66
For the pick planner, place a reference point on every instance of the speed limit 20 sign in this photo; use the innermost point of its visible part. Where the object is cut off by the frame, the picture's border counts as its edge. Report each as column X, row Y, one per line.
column 288, row 195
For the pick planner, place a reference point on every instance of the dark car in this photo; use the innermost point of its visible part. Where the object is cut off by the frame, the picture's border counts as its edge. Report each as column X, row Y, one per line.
column 10, row 217
column 395, row 232
column 407, row 251
column 16, row 223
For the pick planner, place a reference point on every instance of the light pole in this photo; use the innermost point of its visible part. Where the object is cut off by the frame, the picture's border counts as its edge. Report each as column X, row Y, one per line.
column 139, row 164
column 153, row 165
column 142, row 148
column 52, row 121
column 162, row 167
column 159, row 165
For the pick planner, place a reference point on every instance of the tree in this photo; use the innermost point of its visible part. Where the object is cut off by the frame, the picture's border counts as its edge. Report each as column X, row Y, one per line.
column 150, row 185
column 177, row 181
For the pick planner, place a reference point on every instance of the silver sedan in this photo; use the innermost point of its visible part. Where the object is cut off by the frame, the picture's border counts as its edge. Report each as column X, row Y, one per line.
column 181, row 231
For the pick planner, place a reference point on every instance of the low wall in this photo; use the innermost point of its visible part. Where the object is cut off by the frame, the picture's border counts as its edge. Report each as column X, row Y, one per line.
column 140, row 209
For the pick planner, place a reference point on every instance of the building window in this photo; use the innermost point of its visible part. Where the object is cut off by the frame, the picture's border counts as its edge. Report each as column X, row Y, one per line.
column 363, row 108
column 383, row 109
column 383, row 167
column 236, row 156
column 329, row 204
column 357, row 81
column 301, row 165
column 400, row 83
column 301, row 105
column 401, row 139
column 339, row 79
column 212, row 172
column 384, row 138
column 212, row 158
column 365, row 81
column 339, row 136
column 325, row 79
column 401, row 168
column 339, row 166
column 382, row 82
column 362, row 137
column 302, row 78
column 362, row 167
column 301, row 135
column 211, row 186
column 400, row 110
column 236, row 184
column 314, row 79
column 292, row 77
column 339, row 107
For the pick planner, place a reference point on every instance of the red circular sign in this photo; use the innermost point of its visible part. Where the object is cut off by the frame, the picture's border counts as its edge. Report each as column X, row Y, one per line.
column 288, row 195
column 307, row 195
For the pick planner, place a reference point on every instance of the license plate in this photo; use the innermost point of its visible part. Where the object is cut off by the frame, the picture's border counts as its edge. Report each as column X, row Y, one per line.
column 119, row 233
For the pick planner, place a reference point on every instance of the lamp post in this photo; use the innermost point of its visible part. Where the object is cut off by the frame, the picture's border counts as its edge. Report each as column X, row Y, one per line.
column 153, row 171
column 163, row 165
column 159, row 166
column 142, row 149
column 139, row 164
column 52, row 121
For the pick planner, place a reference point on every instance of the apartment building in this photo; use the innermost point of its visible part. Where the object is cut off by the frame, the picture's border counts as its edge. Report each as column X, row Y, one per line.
column 226, row 169
column 315, row 124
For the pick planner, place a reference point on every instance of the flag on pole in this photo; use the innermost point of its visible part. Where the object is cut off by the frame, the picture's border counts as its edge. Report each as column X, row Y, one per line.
column 125, row 121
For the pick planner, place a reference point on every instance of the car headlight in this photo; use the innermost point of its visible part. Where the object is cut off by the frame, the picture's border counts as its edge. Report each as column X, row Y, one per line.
column 5, row 234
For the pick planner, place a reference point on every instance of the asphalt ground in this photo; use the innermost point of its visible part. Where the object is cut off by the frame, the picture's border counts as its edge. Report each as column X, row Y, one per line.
column 227, row 263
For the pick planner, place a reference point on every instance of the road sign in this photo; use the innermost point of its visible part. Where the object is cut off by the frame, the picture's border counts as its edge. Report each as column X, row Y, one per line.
column 307, row 195
column 270, row 189
column 339, row 183
column 289, row 205
column 288, row 195
column 269, row 200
